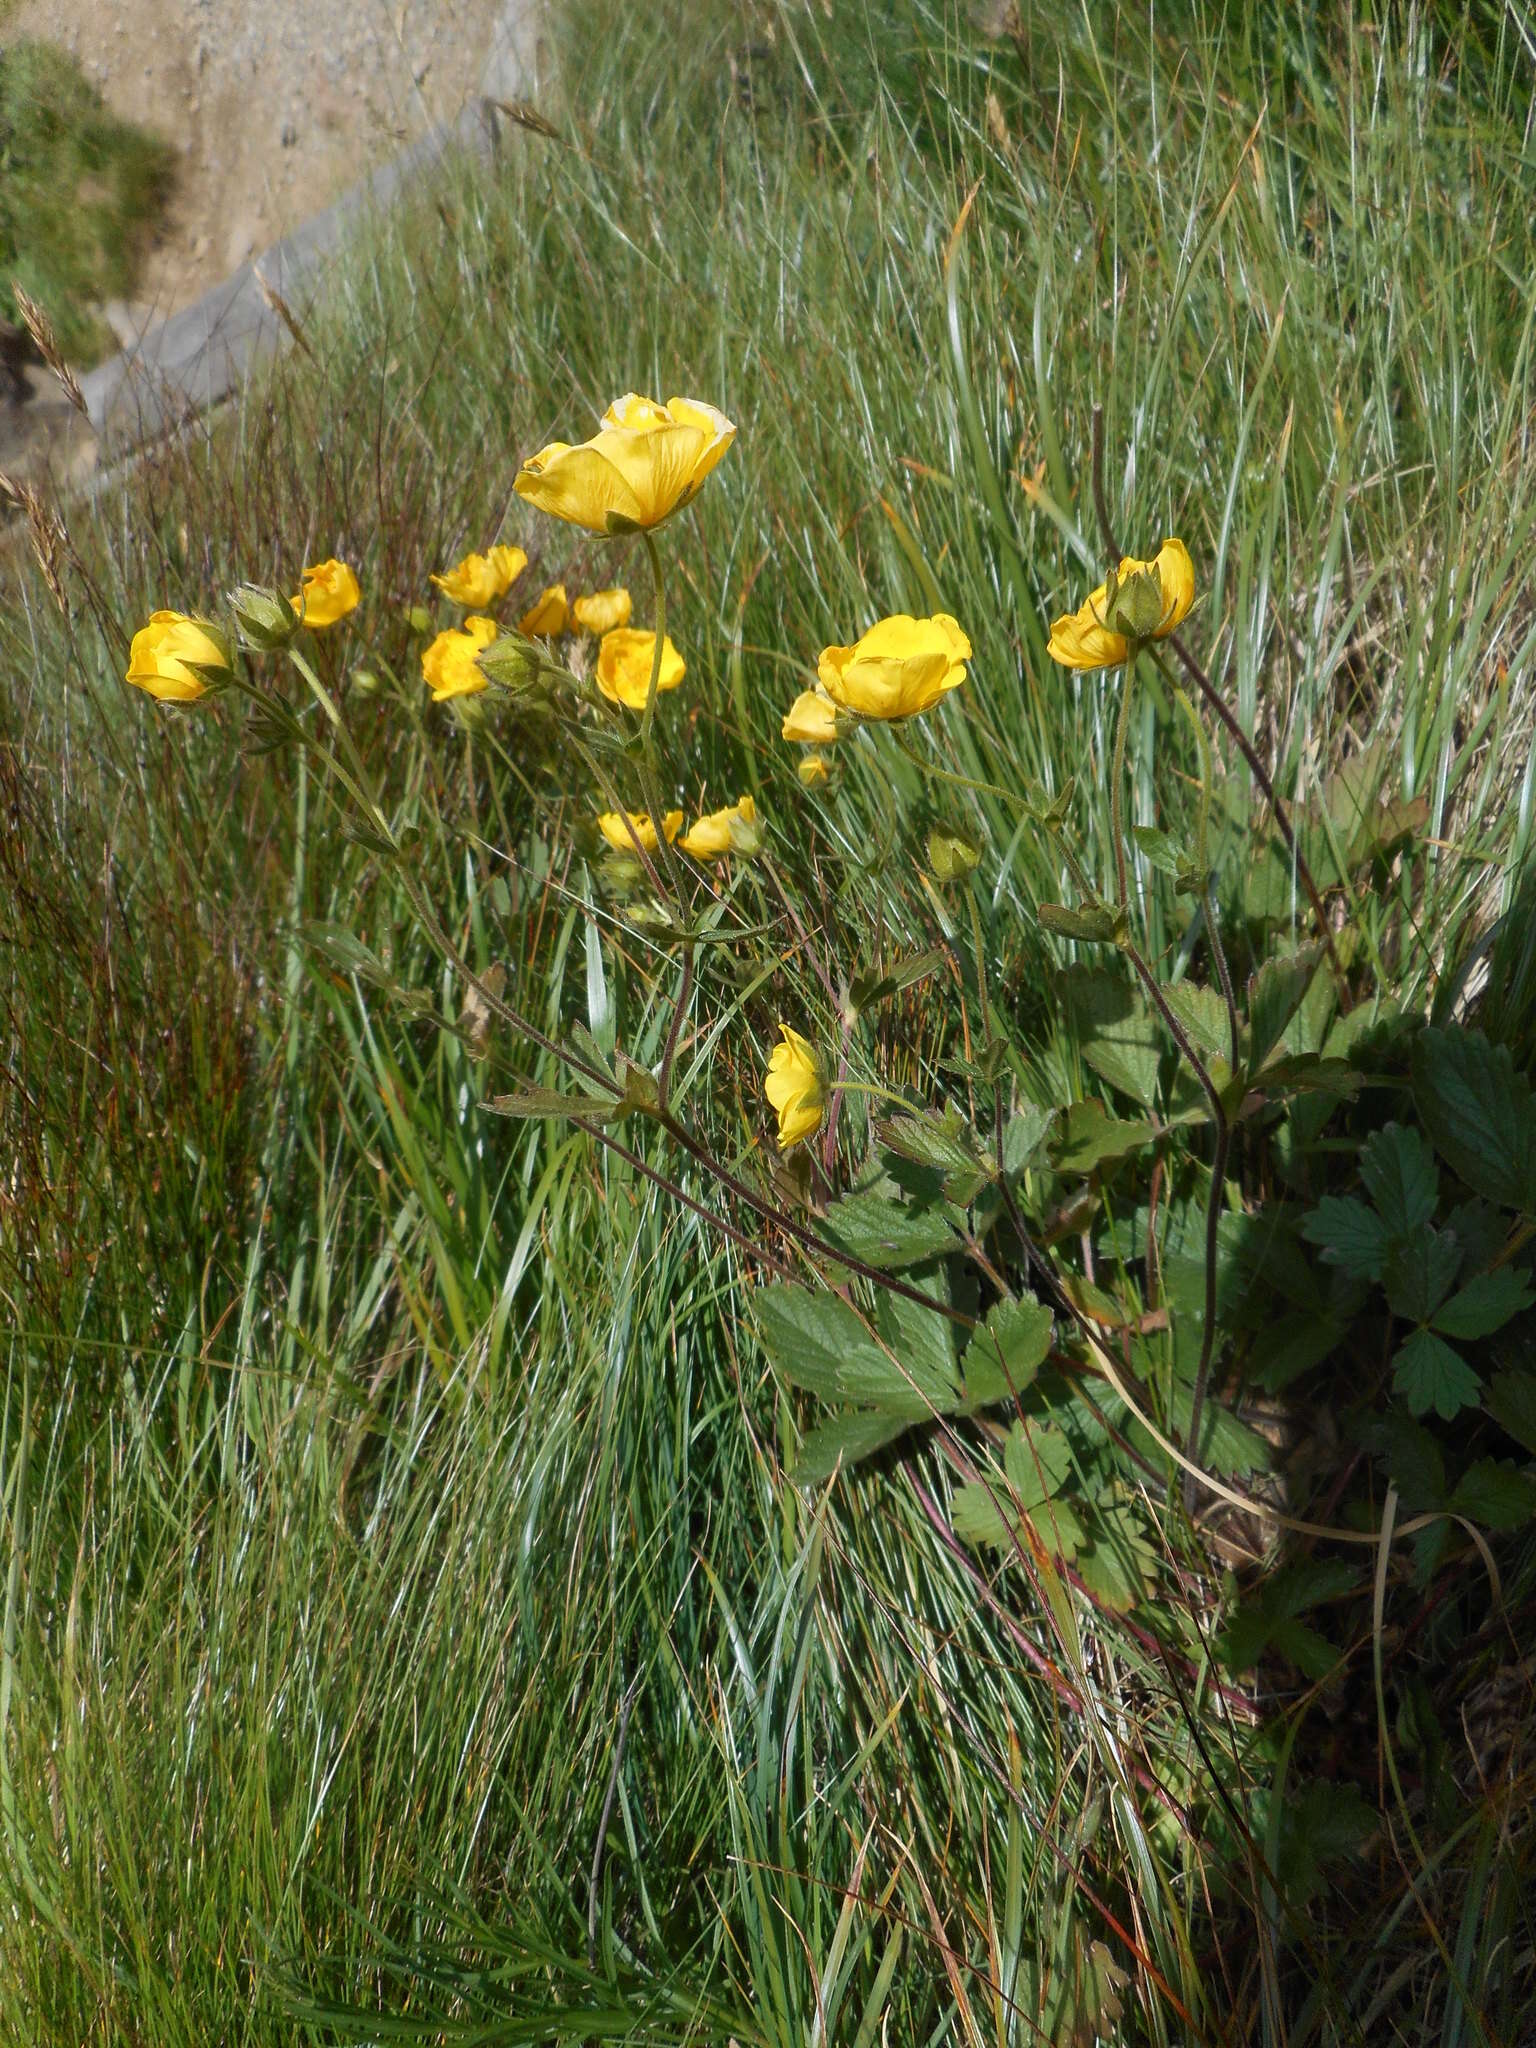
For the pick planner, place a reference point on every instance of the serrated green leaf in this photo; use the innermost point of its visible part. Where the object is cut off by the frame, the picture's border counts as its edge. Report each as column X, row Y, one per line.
column 1117, row 1033
column 1420, row 1272
column 1478, row 1110
column 1275, row 994
column 885, row 1233
column 1349, row 1236
column 1511, row 1401
column 922, row 1341
column 1290, row 1345
column 1092, row 923
column 1203, row 1014
column 1484, row 1305
column 1431, row 1376
column 1088, row 1136
column 1003, row 1356
column 816, row 1341
column 1397, row 1165
column 1023, row 1134
column 549, row 1102
column 1495, row 1494
column 846, row 1440
column 867, row 990
column 1413, row 1458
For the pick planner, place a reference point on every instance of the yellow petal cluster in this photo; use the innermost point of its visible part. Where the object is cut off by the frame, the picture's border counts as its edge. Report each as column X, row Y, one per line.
column 644, row 462
column 792, row 1085
column 549, row 614
column 327, row 592
column 479, row 580
column 622, row 828
column 1086, row 639
column 733, row 830
column 600, row 611
column 170, row 655
column 624, row 659
column 450, row 663
column 900, row 667
column 811, row 719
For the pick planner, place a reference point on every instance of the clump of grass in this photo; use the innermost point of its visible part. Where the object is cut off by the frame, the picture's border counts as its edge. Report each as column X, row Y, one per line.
column 80, row 191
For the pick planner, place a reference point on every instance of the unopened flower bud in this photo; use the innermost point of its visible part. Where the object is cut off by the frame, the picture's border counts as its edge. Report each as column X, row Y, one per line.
column 365, row 683
column 418, row 618
column 951, row 857
column 264, row 621
column 511, row 662
column 814, row 771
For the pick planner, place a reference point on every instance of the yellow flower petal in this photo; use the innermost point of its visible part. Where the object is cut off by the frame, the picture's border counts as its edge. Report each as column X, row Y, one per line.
column 508, row 563
column 814, row 771
column 792, row 1085
column 643, row 463
column 328, row 591
column 167, row 655
column 733, row 830
column 811, row 719
column 1083, row 639
column 622, row 828
column 602, row 610
column 624, row 659
column 450, row 664
column 900, row 667
column 548, row 616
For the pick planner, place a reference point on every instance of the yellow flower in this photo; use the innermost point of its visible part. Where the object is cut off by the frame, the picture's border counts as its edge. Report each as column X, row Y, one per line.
column 328, row 591
column 170, row 655
column 811, row 719
column 792, row 1085
column 733, row 830
column 509, row 563
column 900, row 667
column 480, row 579
column 644, row 462
column 624, row 659
column 617, row 832
column 1148, row 601
column 602, row 610
column 548, row 616
column 450, row 663
column 814, row 770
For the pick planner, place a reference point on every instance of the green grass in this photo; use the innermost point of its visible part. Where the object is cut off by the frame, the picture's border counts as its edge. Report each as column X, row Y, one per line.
column 395, row 1497
column 79, row 191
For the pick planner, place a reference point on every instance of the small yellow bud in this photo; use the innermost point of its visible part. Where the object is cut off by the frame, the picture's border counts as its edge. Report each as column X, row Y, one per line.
column 951, row 857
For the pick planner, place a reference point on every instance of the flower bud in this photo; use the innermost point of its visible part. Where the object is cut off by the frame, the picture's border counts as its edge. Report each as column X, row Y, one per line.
column 814, row 771
column 951, row 857
column 365, row 683
column 511, row 662
column 1134, row 606
column 418, row 618
column 264, row 621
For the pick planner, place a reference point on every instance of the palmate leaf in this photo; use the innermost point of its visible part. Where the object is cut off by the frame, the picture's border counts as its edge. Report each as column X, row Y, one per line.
column 1398, row 1167
column 816, row 1341
column 1004, row 1355
column 1479, row 1111
column 1430, row 1375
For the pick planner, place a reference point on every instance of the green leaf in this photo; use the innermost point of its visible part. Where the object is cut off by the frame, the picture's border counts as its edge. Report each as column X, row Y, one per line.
column 1203, row 1014
column 1004, row 1355
column 1161, row 848
column 1511, row 1401
column 1023, row 1134
column 546, row 1102
column 867, row 990
column 1118, row 1035
column 1485, row 1304
column 1420, row 1272
column 1349, row 1235
column 1479, row 1112
column 1275, row 994
column 1494, row 1493
column 1092, row 923
column 1291, row 1345
column 1331, row 1820
column 1430, row 1375
column 846, row 1440
column 817, row 1342
column 1398, row 1167
column 887, row 1234
column 921, row 1340
column 1089, row 1136
column 944, row 1143
column 1413, row 1459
